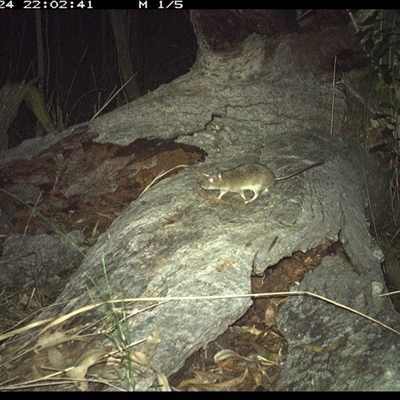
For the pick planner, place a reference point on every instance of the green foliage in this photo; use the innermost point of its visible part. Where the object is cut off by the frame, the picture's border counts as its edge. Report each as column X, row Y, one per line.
column 379, row 37
column 380, row 40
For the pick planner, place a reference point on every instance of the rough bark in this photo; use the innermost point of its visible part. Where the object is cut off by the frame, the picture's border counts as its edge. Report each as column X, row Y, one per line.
column 121, row 26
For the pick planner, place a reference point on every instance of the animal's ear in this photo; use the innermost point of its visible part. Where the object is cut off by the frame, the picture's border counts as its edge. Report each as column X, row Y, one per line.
column 219, row 176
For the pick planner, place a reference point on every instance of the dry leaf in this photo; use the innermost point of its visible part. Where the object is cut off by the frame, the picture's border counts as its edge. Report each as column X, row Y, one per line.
column 272, row 244
column 89, row 359
column 231, row 384
column 56, row 359
column 172, row 219
column 148, row 350
column 200, row 378
column 48, row 339
column 224, row 355
column 163, row 383
column 323, row 349
column 270, row 313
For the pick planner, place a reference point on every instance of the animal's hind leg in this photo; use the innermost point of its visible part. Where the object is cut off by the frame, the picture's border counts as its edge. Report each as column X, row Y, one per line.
column 252, row 199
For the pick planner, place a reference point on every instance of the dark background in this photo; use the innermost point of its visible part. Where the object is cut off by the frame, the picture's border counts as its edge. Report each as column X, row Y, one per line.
column 81, row 61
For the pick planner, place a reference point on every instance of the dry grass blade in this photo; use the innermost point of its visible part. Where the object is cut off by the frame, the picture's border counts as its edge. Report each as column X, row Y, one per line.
column 160, row 175
column 57, row 321
column 112, row 97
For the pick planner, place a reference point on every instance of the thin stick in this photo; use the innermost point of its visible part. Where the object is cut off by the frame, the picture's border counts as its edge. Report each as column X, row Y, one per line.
column 160, row 175
column 333, row 92
column 63, row 318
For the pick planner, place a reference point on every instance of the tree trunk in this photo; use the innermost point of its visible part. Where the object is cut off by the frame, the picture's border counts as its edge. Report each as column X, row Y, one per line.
column 121, row 27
